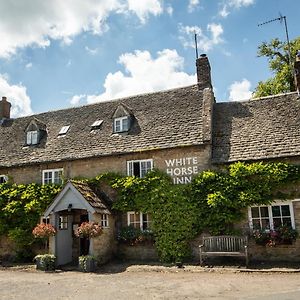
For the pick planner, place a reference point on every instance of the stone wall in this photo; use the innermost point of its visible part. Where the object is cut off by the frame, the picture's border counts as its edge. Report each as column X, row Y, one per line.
column 181, row 159
column 6, row 248
column 104, row 246
column 142, row 253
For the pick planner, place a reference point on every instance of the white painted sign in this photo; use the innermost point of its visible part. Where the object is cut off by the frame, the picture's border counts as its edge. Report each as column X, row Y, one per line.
column 182, row 169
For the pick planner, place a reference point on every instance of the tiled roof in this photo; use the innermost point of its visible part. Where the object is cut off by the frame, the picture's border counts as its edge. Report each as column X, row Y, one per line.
column 97, row 199
column 161, row 120
column 263, row 128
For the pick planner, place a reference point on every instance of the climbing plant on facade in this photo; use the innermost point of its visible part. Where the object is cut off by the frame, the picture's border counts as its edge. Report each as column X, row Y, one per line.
column 20, row 209
column 213, row 202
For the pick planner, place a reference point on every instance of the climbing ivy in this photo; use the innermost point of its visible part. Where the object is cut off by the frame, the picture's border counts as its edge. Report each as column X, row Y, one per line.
column 213, row 202
column 20, row 209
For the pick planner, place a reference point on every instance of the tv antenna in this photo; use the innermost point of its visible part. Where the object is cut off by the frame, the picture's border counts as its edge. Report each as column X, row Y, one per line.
column 196, row 44
column 280, row 19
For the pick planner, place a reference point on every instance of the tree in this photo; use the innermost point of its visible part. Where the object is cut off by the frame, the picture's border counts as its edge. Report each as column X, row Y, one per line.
column 277, row 53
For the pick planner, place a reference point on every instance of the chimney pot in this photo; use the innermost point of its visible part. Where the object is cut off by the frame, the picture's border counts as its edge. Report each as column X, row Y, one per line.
column 203, row 72
column 4, row 109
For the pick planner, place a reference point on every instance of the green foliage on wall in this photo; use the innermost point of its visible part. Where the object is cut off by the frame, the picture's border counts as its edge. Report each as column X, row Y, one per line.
column 212, row 203
column 20, row 209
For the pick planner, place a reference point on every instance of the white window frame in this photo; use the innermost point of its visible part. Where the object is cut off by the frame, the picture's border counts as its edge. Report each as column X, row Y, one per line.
column 63, row 222
column 141, row 221
column 3, row 178
column 270, row 217
column 64, row 130
column 120, row 125
column 130, row 168
column 32, row 137
column 52, row 171
column 104, row 221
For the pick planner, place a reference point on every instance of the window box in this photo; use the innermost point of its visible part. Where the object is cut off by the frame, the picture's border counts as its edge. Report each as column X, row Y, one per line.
column 135, row 236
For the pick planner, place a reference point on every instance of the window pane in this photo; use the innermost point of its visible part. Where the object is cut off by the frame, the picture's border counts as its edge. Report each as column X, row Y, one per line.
column 34, row 139
column 57, row 177
column 47, row 177
column 63, row 222
column 287, row 221
column 265, row 223
column 117, row 125
column 125, row 124
column 255, row 212
column 264, row 211
column 276, row 211
column 3, row 179
column 276, row 222
column 285, row 209
column 145, row 221
column 130, row 168
column 28, row 140
column 256, row 224
column 136, row 169
column 131, row 218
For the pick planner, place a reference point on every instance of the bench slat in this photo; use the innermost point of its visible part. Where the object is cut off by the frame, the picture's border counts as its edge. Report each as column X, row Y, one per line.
column 224, row 246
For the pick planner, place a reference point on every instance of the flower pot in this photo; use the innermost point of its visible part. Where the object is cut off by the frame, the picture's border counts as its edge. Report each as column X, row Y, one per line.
column 87, row 263
column 45, row 262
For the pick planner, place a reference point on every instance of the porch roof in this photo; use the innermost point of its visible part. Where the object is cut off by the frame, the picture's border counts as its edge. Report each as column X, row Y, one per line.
column 80, row 195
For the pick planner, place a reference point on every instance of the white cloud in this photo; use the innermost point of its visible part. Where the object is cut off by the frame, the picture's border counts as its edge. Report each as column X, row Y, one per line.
column 144, row 8
column 143, row 74
column 193, row 4
column 233, row 4
column 35, row 22
column 240, row 90
column 77, row 99
column 240, row 3
column 91, row 51
column 169, row 10
column 17, row 96
column 28, row 66
column 205, row 42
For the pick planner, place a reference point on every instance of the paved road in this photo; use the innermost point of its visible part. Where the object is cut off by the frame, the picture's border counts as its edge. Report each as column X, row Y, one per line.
column 132, row 285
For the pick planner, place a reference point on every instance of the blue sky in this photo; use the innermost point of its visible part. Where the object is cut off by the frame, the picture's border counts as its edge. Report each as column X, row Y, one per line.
column 56, row 54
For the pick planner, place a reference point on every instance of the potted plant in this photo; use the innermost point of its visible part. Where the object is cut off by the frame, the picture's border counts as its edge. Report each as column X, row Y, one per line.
column 45, row 262
column 87, row 263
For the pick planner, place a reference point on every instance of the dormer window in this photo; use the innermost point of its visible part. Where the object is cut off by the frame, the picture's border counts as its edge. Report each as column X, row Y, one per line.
column 34, row 132
column 123, row 119
column 121, row 124
column 32, row 137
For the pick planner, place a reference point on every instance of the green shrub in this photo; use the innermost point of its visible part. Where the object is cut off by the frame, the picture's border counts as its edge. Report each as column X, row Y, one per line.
column 45, row 262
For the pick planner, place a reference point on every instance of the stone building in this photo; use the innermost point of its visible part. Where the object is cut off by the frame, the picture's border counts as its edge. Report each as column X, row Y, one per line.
column 180, row 131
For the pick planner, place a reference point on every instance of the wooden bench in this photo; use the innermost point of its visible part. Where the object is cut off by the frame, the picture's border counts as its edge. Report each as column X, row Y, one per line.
column 224, row 246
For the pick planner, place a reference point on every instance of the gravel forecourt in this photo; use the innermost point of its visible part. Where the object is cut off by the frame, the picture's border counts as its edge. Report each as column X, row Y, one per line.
column 148, row 283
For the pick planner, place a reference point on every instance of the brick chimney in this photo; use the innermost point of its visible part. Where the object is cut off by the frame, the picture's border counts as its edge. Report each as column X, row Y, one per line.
column 203, row 72
column 297, row 72
column 4, row 109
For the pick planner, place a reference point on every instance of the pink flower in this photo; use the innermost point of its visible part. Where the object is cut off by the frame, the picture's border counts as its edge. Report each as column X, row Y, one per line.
column 89, row 230
column 43, row 230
